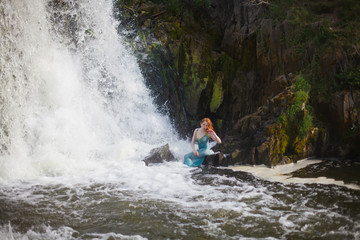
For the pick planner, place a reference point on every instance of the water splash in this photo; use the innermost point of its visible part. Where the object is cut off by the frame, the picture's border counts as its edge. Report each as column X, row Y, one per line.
column 70, row 91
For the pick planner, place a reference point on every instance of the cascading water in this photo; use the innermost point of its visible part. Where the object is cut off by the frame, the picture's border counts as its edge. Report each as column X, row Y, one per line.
column 76, row 121
column 66, row 96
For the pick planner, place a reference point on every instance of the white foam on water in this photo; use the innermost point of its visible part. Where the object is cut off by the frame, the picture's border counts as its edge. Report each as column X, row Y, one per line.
column 49, row 233
column 280, row 173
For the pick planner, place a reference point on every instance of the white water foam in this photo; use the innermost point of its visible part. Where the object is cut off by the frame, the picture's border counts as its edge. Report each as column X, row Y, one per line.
column 71, row 106
column 280, row 173
column 47, row 232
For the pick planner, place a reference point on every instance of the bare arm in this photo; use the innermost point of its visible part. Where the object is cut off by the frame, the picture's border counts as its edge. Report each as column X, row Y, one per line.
column 215, row 137
column 196, row 153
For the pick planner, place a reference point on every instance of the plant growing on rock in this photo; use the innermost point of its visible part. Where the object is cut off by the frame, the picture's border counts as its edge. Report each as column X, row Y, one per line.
column 291, row 131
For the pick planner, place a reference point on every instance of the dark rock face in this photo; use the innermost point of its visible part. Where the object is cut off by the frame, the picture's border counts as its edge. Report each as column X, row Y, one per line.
column 215, row 160
column 343, row 120
column 237, row 62
column 159, row 155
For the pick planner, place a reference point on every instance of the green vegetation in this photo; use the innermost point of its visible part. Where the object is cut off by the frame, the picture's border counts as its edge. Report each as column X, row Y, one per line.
column 301, row 84
column 325, row 35
column 291, row 130
column 319, row 28
column 350, row 79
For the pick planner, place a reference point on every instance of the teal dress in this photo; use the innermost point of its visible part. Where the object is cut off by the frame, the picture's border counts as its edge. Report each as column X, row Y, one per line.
column 204, row 150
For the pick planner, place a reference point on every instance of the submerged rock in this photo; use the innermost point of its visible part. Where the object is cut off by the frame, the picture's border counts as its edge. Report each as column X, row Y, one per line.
column 159, row 155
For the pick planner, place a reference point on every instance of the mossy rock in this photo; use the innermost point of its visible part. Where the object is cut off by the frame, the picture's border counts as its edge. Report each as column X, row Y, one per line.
column 217, row 95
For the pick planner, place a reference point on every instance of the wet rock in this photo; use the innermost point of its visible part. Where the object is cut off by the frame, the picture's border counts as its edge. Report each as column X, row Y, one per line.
column 217, row 159
column 343, row 108
column 159, row 155
column 278, row 85
column 263, row 153
column 236, row 154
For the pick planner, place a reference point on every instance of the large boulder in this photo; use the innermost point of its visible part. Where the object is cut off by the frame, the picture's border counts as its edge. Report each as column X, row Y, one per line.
column 159, row 155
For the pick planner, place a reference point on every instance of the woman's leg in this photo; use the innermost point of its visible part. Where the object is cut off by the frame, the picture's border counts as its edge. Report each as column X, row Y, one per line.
column 193, row 161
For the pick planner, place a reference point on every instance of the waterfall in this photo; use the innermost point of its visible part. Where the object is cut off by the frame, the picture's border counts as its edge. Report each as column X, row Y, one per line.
column 71, row 95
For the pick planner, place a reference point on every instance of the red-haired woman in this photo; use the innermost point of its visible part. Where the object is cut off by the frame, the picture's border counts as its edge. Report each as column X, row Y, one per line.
column 201, row 136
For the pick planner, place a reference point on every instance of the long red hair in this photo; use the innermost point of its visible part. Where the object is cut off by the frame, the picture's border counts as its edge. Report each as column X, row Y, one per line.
column 208, row 121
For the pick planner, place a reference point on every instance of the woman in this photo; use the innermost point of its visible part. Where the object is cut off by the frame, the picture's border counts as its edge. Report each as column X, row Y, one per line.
column 201, row 137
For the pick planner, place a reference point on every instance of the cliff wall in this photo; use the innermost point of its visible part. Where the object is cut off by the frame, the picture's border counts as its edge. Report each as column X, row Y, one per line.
column 280, row 79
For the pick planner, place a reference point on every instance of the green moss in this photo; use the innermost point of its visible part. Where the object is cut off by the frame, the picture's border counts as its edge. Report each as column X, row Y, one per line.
column 299, row 100
column 195, row 57
column 301, row 84
column 306, row 126
column 281, row 119
column 298, row 146
column 279, row 142
column 217, row 96
column 291, row 130
column 175, row 32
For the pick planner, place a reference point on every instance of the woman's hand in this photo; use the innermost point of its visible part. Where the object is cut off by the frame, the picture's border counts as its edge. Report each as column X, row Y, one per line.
column 196, row 153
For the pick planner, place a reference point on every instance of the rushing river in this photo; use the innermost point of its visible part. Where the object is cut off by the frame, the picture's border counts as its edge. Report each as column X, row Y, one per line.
column 76, row 121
